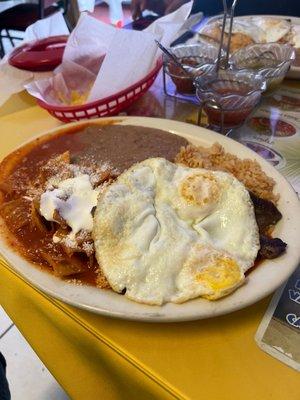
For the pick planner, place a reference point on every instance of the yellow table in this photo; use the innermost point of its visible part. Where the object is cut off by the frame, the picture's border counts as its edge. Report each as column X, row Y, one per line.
column 94, row 357
column 17, row 102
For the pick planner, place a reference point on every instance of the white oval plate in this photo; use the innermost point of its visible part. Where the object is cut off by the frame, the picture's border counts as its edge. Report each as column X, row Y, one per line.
column 294, row 72
column 262, row 281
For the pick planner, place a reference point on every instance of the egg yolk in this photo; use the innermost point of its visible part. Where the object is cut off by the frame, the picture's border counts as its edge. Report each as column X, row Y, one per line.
column 200, row 189
column 220, row 276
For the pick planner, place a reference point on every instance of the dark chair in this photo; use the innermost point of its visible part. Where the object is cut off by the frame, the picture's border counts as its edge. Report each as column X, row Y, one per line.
column 19, row 17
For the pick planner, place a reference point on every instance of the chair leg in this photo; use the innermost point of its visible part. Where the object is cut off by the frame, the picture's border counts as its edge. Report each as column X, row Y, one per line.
column 68, row 23
column 10, row 38
column 2, row 53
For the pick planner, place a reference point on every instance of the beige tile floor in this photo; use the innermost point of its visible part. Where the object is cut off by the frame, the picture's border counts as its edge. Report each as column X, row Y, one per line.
column 28, row 377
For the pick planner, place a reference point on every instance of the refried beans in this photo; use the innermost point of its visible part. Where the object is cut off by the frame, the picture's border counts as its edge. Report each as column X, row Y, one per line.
column 124, row 145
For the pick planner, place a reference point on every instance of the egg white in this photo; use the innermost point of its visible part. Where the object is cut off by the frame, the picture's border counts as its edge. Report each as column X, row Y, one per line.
column 168, row 233
column 296, row 36
column 249, row 28
column 273, row 28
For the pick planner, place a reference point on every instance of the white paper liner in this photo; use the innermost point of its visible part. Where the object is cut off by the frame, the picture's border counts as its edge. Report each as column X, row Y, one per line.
column 101, row 60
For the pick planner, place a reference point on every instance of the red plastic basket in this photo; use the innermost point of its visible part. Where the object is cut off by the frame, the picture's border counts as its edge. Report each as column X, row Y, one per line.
column 111, row 105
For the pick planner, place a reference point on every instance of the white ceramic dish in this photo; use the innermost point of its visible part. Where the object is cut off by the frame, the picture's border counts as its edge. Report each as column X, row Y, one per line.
column 262, row 281
column 294, row 72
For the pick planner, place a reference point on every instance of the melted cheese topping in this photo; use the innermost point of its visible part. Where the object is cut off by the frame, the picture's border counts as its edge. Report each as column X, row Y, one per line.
column 74, row 200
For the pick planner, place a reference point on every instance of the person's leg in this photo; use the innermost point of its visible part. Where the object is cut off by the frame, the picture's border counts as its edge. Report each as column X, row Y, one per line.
column 4, row 389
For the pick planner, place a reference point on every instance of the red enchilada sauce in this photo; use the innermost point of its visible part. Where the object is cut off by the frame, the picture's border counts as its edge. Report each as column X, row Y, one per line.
column 114, row 145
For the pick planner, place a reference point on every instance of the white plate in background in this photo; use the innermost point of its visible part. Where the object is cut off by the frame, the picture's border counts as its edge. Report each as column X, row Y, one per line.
column 294, row 72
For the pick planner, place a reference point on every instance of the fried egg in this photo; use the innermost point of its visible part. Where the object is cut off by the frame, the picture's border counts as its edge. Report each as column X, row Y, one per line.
column 274, row 28
column 296, row 36
column 248, row 28
column 168, row 233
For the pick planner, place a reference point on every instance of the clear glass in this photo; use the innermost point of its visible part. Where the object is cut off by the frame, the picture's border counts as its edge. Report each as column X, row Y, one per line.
column 229, row 97
column 270, row 60
column 200, row 56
